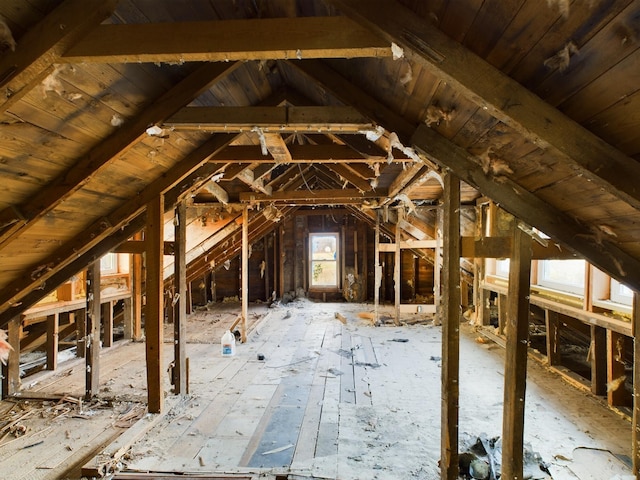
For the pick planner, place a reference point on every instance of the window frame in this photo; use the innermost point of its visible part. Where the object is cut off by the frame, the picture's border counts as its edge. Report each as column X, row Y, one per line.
column 336, row 261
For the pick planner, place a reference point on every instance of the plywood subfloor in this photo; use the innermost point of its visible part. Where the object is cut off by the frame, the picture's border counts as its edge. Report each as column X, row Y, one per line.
column 350, row 401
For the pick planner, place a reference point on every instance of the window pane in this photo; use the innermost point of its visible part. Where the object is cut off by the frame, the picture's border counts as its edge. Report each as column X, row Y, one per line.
column 108, row 263
column 566, row 275
column 324, row 255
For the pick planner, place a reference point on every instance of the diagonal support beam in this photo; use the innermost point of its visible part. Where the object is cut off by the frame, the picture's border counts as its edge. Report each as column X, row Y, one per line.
column 503, row 97
column 119, row 142
column 529, row 208
column 44, row 44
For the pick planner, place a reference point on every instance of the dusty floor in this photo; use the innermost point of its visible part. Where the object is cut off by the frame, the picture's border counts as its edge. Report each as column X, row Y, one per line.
column 330, row 400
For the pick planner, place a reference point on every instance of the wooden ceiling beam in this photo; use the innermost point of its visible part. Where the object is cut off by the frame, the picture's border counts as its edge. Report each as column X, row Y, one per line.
column 263, row 119
column 16, row 219
column 43, row 45
column 331, row 153
column 523, row 204
column 503, row 97
column 320, row 196
column 229, row 40
column 277, row 148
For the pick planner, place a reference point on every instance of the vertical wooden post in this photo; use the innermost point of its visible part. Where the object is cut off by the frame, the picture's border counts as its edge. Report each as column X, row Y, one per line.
column 92, row 337
column 281, row 258
column 127, row 313
column 397, row 266
column 616, row 394
column 265, row 249
column 136, row 292
column 377, row 269
column 245, row 272
column 81, row 331
column 553, row 337
column 635, row 432
column 365, row 260
column 180, row 306
column 503, row 305
column 437, row 267
column 450, row 329
column 52, row 341
column 342, row 250
column 107, row 322
column 11, row 371
column 598, row 360
column 155, row 303
column 515, row 372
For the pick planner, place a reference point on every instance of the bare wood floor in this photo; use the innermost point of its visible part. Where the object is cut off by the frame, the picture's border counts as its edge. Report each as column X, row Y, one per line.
column 329, row 401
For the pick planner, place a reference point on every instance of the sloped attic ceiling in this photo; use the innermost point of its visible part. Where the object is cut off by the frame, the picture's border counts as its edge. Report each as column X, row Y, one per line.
column 533, row 104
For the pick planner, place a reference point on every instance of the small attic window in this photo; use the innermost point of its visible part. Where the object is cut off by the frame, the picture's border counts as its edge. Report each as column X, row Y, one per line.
column 109, row 264
column 324, row 260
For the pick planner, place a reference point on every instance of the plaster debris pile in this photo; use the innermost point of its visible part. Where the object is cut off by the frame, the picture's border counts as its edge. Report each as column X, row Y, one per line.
column 481, row 458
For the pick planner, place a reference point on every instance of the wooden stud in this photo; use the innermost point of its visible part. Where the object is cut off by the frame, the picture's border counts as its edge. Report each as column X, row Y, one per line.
column 397, row 268
column 635, row 431
column 377, row 282
column 127, row 313
column 180, row 305
column 11, row 371
column 136, row 292
column 598, row 360
column 155, row 302
column 515, row 372
column 52, row 341
column 281, row 259
column 107, row 324
column 503, row 314
column 92, row 332
column 81, row 332
column 265, row 275
column 450, row 329
column 245, row 273
column 437, row 265
column 552, row 324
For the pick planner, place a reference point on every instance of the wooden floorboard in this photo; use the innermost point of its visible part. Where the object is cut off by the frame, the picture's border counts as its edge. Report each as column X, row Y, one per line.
column 328, row 401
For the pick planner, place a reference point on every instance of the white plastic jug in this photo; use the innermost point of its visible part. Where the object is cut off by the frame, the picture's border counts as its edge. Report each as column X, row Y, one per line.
column 228, row 344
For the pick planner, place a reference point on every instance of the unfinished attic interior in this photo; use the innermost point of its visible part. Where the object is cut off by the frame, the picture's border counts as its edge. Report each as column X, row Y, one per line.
column 419, row 219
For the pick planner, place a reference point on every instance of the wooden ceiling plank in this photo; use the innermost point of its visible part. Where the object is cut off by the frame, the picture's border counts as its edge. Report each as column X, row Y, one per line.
column 605, row 255
column 270, row 119
column 193, row 170
column 502, row 96
column 229, row 40
column 119, row 142
column 42, row 46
